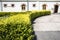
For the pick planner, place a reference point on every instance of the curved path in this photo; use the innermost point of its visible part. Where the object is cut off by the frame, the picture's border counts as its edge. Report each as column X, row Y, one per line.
column 47, row 27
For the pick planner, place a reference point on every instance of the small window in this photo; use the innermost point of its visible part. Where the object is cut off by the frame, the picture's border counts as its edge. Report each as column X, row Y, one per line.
column 44, row 6
column 5, row 5
column 34, row 5
column 23, row 6
column 12, row 5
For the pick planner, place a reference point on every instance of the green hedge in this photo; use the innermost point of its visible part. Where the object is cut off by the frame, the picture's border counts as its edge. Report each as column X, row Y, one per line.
column 11, row 13
column 16, row 27
column 34, row 15
column 4, row 15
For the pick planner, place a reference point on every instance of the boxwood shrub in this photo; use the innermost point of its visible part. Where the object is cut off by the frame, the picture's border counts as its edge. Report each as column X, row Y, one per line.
column 11, row 13
column 34, row 15
column 16, row 27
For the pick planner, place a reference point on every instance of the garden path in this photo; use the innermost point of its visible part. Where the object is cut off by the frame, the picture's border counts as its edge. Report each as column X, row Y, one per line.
column 47, row 27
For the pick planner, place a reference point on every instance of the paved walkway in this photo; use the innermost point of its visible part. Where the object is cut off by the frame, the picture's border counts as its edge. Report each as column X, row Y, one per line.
column 47, row 23
column 47, row 27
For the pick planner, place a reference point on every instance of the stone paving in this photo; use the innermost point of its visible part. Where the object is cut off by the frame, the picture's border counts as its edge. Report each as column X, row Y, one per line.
column 47, row 23
column 47, row 27
column 48, row 35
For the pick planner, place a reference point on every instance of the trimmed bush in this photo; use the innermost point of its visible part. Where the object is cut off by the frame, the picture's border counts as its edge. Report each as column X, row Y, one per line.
column 34, row 15
column 11, row 13
column 16, row 27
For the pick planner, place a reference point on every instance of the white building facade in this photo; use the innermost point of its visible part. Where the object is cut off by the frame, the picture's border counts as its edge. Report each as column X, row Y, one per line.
column 0, row 6
column 29, row 5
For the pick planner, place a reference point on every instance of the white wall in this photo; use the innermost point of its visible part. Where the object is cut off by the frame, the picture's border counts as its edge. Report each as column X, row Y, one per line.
column 33, row 8
column 59, row 7
column 16, row 8
column 50, row 6
column 0, row 6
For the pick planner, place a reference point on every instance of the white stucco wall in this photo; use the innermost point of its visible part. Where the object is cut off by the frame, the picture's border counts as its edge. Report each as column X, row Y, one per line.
column 0, row 6
column 33, row 8
column 50, row 6
column 59, row 8
column 16, row 8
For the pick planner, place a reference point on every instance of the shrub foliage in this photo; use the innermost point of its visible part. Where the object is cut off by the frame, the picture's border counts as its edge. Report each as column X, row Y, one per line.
column 19, row 26
column 35, row 14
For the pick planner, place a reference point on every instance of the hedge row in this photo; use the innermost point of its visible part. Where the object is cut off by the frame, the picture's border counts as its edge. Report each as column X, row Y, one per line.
column 34, row 15
column 16, row 27
column 4, row 15
column 10, row 13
